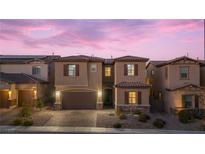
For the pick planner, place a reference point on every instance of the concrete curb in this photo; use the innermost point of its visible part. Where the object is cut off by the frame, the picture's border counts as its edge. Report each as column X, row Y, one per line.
column 86, row 130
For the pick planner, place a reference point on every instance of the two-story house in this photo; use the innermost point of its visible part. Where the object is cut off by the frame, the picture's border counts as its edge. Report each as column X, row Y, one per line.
column 177, row 83
column 77, row 82
column 23, row 79
column 131, row 89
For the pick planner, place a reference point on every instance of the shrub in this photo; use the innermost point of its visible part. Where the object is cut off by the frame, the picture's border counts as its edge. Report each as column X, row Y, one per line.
column 185, row 116
column 143, row 117
column 28, row 122
column 137, row 111
column 117, row 125
column 159, row 123
column 18, row 121
column 39, row 103
column 122, row 116
column 26, row 111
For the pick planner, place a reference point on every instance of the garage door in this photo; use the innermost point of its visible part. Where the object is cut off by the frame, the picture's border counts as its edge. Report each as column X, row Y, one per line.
column 4, row 96
column 25, row 97
column 79, row 100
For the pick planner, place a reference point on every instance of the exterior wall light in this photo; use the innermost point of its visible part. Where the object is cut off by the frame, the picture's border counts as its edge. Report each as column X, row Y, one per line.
column 9, row 94
column 35, row 94
column 99, row 93
column 58, row 94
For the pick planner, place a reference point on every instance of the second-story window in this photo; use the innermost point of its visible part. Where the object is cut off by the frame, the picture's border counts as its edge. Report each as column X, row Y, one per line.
column 71, row 70
column 36, row 70
column 130, row 70
column 184, row 72
column 107, row 71
column 166, row 73
column 93, row 67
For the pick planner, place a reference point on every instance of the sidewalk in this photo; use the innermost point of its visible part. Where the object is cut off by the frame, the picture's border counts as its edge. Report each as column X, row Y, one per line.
column 86, row 130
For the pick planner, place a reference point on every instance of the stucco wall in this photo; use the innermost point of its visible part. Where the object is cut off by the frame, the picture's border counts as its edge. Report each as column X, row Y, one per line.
column 25, row 68
column 86, row 79
column 119, row 72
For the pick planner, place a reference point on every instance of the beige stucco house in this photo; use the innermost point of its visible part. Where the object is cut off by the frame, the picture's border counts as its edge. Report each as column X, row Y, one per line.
column 177, row 83
column 23, row 79
column 131, row 90
column 77, row 82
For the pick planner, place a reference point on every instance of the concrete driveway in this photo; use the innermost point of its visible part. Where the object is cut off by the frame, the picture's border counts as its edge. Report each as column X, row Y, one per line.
column 73, row 118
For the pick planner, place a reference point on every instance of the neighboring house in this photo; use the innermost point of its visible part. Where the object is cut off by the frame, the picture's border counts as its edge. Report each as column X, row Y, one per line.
column 78, row 82
column 23, row 79
column 202, row 73
column 131, row 90
column 177, row 83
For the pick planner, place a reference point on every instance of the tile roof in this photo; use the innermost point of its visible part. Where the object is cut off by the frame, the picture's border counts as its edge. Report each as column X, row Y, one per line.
column 185, row 86
column 132, row 85
column 22, row 59
column 19, row 78
column 81, row 58
column 177, row 59
column 131, row 58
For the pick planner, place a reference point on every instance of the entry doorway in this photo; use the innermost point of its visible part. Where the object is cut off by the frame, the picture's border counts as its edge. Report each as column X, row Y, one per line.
column 108, row 98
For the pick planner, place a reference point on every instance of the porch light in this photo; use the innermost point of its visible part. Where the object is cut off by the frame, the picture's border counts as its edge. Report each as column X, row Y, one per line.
column 9, row 94
column 99, row 93
column 57, row 93
column 35, row 92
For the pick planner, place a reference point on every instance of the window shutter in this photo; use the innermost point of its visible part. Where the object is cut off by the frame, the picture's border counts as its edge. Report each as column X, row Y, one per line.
column 77, row 70
column 125, row 69
column 136, row 69
column 126, row 97
column 139, row 97
column 65, row 70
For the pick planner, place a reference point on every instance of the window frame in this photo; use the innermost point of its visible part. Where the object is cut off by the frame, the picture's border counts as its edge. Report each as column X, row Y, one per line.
column 130, row 71
column 93, row 66
column 74, row 71
column 36, row 69
column 184, row 101
column 182, row 78
column 109, row 71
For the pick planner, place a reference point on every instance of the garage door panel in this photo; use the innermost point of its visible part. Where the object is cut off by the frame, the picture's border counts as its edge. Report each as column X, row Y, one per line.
column 79, row 100
column 25, row 97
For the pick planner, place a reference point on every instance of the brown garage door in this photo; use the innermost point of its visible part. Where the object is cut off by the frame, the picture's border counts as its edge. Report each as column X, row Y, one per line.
column 79, row 100
column 25, row 97
column 4, row 96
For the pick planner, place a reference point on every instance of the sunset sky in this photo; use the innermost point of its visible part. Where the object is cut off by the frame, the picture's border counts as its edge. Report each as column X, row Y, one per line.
column 155, row 39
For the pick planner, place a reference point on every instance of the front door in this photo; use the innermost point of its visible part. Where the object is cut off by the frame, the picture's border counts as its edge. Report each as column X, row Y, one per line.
column 108, row 98
column 196, row 101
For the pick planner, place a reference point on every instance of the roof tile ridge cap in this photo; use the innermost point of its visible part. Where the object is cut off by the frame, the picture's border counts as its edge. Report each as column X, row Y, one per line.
column 30, row 77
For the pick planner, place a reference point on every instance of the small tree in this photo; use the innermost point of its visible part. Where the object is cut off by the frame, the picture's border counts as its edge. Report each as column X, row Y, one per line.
column 39, row 103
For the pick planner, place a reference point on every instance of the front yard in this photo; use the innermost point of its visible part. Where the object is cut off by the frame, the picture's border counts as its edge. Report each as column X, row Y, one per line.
column 96, row 118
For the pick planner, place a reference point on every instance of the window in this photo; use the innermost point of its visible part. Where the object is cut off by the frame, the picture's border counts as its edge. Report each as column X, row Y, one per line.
column 184, row 72
column 72, row 70
column 187, row 101
column 36, row 70
column 152, row 72
column 107, row 71
column 132, row 98
column 166, row 72
column 93, row 67
column 130, row 70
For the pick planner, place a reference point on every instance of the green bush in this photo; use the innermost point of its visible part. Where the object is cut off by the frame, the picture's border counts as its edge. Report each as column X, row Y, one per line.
column 39, row 103
column 143, row 117
column 26, row 111
column 137, row 111
column 159, row 123
column 185, row 116
column 122, row 116
column 117, row 125
column 18, row 121
column 28, row 122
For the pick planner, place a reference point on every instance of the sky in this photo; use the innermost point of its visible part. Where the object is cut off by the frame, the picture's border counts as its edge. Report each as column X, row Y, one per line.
column 154, row 39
